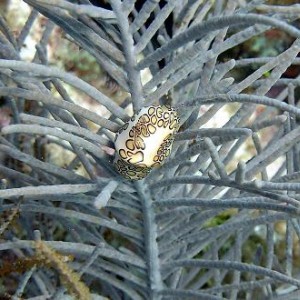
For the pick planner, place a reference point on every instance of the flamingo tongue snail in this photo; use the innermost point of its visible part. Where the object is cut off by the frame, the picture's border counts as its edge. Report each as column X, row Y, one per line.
column 145, row 141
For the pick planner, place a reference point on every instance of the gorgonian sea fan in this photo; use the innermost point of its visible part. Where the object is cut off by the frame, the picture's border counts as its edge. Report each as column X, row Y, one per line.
column 219, row 218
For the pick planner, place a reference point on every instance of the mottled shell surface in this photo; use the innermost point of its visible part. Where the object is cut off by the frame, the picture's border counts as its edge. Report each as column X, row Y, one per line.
column 145, row 141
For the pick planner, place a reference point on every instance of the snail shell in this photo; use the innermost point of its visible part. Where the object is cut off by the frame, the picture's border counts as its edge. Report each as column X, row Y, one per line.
column 145, row 141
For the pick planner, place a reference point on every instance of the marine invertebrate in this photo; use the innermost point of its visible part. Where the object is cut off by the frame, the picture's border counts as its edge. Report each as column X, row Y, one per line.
column 145, row 141
column 204, row 225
